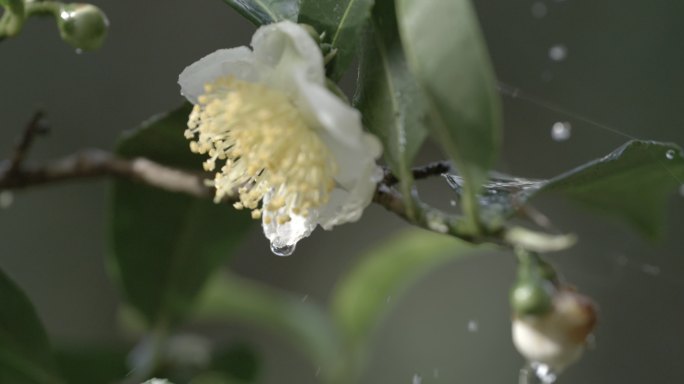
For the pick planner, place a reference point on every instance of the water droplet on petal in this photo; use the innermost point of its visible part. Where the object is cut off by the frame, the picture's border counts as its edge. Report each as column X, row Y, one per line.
column 561, row 131
column 670, row 154
column 539, row 10
column 6, row 199
column 417, row 379
column 558, row 52
column 473, row 326
column 285, row 250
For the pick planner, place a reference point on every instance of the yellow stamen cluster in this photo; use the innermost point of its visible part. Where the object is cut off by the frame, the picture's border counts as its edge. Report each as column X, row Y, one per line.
column 265, row 146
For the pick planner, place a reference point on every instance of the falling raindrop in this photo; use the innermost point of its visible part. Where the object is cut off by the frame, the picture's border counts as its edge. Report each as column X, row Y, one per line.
column 561, row 131
column 6, row 199
column 473, row 326
column 650, row 269
column 417, row 379
column 285, row 250
column 305, row 298
column 558, row 52
column 539, row 10
column 670, row 154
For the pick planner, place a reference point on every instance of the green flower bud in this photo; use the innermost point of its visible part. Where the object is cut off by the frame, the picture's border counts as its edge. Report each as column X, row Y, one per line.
column 84, row 26
column 532, row 297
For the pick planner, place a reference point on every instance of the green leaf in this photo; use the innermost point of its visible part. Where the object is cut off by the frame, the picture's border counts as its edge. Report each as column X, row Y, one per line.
column 342, row 21
column 632, row 183
column 262, row 12
column 25, row 353
column 360, row 298
column 165, row 245
column 389, row 99
column 92, row 364
column 447, row 54
column 232, row 298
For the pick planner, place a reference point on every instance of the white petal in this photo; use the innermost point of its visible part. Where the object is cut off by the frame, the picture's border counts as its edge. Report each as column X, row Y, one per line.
column 235, row 61
column 291, row 52
column 288, row 234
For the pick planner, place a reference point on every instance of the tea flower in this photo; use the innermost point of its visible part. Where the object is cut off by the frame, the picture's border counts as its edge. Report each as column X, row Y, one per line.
column 292, row 151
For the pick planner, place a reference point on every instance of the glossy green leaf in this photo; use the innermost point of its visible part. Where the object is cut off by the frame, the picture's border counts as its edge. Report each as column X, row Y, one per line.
column 165, row 245
column 262, row 12
column 25, row 353
column 388, row 97
column 632, row 183
column 447, row 54
column 343, row 22
column 360, row 299
column 232, row 298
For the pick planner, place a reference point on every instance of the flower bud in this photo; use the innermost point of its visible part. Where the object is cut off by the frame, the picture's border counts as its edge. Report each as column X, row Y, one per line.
column 531, row 297
column 84, row 26
column 557, row 339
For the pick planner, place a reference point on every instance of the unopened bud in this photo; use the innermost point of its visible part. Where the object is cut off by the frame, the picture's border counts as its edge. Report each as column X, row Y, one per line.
column 556, row 339
column 84, row 26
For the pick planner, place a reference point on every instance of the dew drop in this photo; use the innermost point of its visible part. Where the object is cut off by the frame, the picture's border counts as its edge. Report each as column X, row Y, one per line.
column 539, row 10
column 558, row 52
column 6, row 199
column 473, row 326
column 670, row 154
column 561, row 131
column 285, row 250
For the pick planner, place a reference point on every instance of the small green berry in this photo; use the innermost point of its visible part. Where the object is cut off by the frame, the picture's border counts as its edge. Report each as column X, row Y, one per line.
column 83, row 26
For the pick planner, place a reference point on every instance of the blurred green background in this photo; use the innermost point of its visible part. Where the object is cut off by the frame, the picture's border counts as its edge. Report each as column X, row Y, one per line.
column 622, row 67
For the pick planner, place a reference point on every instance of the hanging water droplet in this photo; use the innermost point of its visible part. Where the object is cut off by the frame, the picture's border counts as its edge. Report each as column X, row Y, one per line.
column 473, row 326
column 670, row 154
column 6, row 199
column 536, row 373
column 561, row 131
column 558, row 52
column 285, row 250
column 539, row 10
column 417, row 379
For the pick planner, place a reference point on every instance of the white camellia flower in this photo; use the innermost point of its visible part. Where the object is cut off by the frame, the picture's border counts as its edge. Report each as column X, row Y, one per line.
column 294, row 153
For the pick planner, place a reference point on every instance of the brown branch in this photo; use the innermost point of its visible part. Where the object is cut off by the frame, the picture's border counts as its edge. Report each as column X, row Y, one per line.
column 423, row 172
column 35, row 127
column 95, row 163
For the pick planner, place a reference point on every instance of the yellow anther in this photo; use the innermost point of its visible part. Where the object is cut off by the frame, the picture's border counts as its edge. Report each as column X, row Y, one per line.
column 266, row 146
